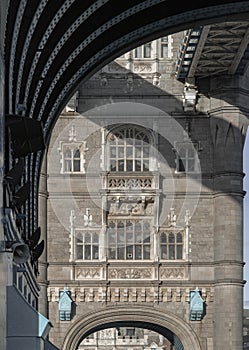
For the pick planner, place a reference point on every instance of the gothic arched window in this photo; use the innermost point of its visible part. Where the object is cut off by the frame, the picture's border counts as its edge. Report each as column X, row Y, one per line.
column 129, row 149
column 171, row 245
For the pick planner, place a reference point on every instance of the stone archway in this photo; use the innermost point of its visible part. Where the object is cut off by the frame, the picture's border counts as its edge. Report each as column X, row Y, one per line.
column 141, row 316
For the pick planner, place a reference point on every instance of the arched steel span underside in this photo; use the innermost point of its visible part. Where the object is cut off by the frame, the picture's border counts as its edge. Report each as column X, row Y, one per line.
column 51, row 46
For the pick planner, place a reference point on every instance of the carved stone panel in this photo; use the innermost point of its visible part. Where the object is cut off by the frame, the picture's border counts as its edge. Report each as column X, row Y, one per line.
column 174, row 273
column 87, row 273
column 130, row 273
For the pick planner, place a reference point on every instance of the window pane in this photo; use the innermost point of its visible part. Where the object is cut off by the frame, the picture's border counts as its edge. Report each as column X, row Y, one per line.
column 79, row 238
column 171, row 238
column 164, row 50
column 112, row 253
column 146, row 165
column 68, row 153
column 179, row 237
column 120, row 152
column 76, row 153
column 95, row 252
column 137, row 165
column 191, row 165
column 182, row 153
column 113, row 165
column 121, row 237
column 129, row 165
column 146, row 227
column 87, row 238
column 147, row 50
column 121, row 253
column 129, row 252
column 138, row 227
column 146, row 238
column 113, row 152
column 68, row 165
column 87, row 252
column 191, row 153
column 79, row 252
column 179, row 252
column 76, row 165
column 163, row 252
column 146, row 252
column 95, row 238
column 129, row 237
column 181, row 165
column 121, row 165
column 146, row 151
column 129, row 226
column 138, row 152
column 112, row 238
column 171, row 252
column 138, row 237
column 138, row 52
column 138, row 252
column 163, row 238
column 129, row 152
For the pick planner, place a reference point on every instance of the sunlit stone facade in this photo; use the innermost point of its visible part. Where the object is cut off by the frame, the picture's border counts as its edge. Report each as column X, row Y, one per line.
column 144, row 197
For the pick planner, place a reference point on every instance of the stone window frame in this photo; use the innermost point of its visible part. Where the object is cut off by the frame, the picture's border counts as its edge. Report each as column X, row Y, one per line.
column 141, row 52
column 164, row 43
column 172, row 252
column 80, row 148
column 130, row 248
column 84, row 246
column 130, row 150
column 188, row 162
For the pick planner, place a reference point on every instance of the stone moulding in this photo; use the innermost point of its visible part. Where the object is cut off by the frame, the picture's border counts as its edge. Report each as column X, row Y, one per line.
column 106, row 272
column 145, row 316
column 108, row 294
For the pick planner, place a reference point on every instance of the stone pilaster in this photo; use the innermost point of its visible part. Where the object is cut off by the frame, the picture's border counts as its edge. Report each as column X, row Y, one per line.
column 227, row 130
column 42, row 279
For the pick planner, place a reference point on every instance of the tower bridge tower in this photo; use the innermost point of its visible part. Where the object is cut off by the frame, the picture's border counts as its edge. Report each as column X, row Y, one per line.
column 144, row 207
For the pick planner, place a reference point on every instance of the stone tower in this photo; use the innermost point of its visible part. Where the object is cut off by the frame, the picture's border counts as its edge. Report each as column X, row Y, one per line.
column 142, row 199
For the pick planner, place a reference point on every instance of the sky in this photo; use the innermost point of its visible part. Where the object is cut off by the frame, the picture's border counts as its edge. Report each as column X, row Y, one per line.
column 246, row 222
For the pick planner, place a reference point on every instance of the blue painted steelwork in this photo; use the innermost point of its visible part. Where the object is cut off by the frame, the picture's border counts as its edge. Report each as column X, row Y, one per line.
column 196, row 306
column 65, row 305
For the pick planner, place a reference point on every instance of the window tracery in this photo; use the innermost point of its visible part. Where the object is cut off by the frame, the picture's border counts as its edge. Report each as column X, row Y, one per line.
column 171, row 245
column 129, row 150
column 187, row 160
column 72, row 154
column 87, row 245
column 129, row 239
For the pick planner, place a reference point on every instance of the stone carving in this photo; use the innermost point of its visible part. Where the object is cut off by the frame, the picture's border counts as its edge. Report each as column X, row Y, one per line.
column 173, row 273
column 130, row 273
column 140, row 205
column 172, row 217
column 154, row 294
column 143, row 68
column 130, row 183
column 87, row 273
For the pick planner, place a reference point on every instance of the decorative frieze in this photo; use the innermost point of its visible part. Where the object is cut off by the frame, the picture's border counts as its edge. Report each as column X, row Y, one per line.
column 129, row 183
column 143, row 68
column 87, row 273
column 174, row 273
column 130, row 273
column 106, row 294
